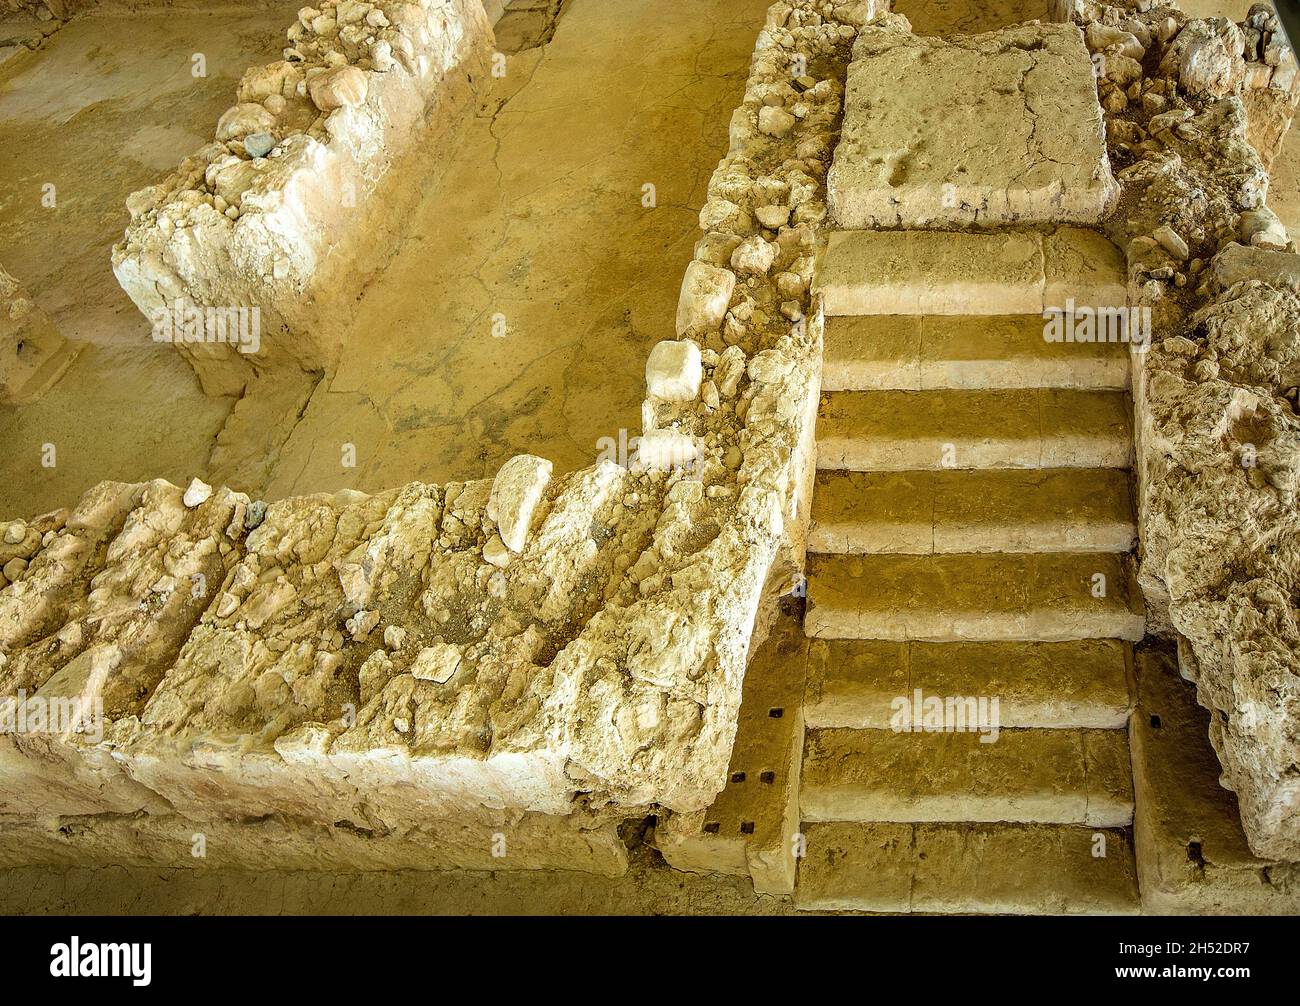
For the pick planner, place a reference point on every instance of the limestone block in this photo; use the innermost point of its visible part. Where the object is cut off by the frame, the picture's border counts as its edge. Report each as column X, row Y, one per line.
column 906, row 160
column 706, row 294
column 510, row 842
column 664, row 450
column 853, row 683
column 34, row 354
column 999, row 869
column 673, row 371
column 516, row 491
column 932, row 272
column 1206, row 57
column 1082, row 267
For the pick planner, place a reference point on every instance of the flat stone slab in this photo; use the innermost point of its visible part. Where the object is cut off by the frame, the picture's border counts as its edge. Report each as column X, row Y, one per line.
column 865, row 272
column 1073, row 685
column 994, row 869
column 989, row 129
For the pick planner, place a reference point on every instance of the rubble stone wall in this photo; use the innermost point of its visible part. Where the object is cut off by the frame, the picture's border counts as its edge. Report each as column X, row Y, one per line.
column 294, row 203
column 533, row 654
column 1217, row 428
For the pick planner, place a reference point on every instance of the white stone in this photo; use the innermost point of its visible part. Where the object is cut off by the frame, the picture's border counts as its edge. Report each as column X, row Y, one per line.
column 754, row 255
column 15, row 532
column 706, row 295
column 495, row 552
column 674, row 370
column 774, row 121
column 516, row 491
column 662, row 450
column 437, row 663
column 197, row 492
column 1172, row 242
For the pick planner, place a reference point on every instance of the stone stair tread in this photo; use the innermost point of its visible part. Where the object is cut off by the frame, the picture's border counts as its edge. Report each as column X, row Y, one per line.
column 1071, row 685
column 973, row 596
column 1007, row 869
column 1022, row 428
column 913, row 353
column 973, row 774
column 994, row 510
column 934, row 272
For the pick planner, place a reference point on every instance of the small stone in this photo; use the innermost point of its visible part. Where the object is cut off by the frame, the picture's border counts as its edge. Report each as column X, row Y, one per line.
column 226, row 605
column 773, row 217
column 437, row 663
column 258, row 144
column 254, row 515
column 774, row 121
column 361, row 624
column 662, row 450
column 673, row 371
column 496, row 553
column 706, row 294
column 198, row 492
column 15, row 532
column 516, row 491
column 394, row 637
column 1172, row 242
column 15, row 568
column 754, row 255
column 345, row 86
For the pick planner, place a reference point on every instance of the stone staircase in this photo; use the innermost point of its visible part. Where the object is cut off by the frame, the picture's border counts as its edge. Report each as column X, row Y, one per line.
column 971, row 523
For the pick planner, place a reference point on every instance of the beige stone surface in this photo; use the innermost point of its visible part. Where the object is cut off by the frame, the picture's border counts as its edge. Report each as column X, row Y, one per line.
column 908, row 353
column 1027, row 776
column 995, row 869
column 962, row 17
column 33, row 355
column 1045, row 597
column 923, row 272
column 922, row 512
column 1082, row 267
column 913, row 103
column 1031, row 428
column 1079, row 684
column 512, row 842
column 1192, row 856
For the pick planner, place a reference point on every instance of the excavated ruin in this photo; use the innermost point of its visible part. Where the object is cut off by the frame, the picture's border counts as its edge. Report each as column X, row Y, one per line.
column 868, row 468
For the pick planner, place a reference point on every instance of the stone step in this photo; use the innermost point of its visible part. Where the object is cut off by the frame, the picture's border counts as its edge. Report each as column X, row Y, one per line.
column 929, row 272
column 1027, row 428
column 911, row 353
column 993, row 869
column 1010, row 510
column 975, row 772
column 1045, row 597
column 1080, row 684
